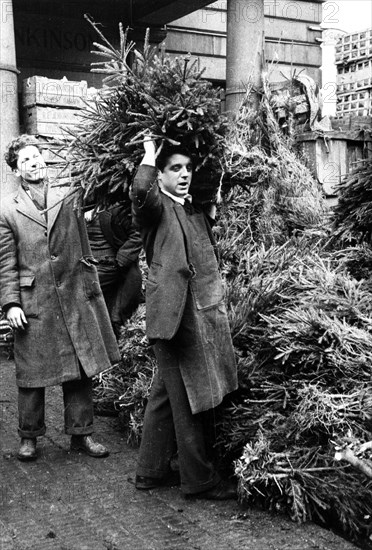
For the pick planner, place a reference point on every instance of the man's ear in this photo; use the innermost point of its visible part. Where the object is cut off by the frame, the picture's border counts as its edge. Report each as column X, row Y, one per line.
column 16, row 171
column 160, row 178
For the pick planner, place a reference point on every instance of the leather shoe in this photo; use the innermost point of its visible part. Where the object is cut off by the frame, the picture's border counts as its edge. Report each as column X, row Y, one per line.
column 27, row 449
column 145, row 483
column 86, row 444
column 224, row 490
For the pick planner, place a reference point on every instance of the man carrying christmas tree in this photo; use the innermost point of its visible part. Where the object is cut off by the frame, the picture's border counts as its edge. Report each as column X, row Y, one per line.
column 50, row 292
column 187, row 322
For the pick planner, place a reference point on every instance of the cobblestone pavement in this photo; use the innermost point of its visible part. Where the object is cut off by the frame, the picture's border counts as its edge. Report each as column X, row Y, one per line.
column 69, row 501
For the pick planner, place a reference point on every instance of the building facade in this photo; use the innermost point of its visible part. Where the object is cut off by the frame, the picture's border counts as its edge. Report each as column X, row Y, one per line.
column 58, row 42
column 354, row 74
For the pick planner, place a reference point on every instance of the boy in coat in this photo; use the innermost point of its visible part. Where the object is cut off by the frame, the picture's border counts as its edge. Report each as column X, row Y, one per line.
column 187, row 322
column 50, row 293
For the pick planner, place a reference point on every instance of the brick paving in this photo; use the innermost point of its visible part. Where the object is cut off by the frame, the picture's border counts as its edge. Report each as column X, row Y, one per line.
column 69, row 501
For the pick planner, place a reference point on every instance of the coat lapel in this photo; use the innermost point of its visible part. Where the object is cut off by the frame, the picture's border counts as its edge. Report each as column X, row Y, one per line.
column 54, row 204
column 26, row 207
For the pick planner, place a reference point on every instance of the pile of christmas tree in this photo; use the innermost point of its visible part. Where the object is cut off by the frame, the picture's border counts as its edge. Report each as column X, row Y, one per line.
column 299, row 297
column 298, row 292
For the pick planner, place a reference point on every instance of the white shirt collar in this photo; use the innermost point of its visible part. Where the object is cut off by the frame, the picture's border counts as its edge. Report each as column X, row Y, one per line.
column 177, row 199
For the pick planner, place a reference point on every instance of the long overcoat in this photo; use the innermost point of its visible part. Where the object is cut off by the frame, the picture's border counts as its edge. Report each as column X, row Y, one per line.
column 46, row 268
column 182, row 263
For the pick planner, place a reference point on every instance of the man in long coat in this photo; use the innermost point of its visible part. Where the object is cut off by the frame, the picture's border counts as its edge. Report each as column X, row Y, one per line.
column 187, row 322
column 51, row 296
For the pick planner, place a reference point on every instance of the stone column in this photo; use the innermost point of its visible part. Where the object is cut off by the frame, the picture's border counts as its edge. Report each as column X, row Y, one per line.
column 245, row 43
column 9, row 127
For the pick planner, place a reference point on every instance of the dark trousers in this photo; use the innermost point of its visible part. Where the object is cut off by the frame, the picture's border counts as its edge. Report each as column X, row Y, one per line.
column 78, row 409
column 169, row 425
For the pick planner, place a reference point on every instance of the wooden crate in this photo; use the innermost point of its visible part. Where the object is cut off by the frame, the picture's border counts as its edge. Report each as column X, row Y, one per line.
column 50, row 121
column 39, row 90
column 331, row 156
column 351, row 123
column 54, row 154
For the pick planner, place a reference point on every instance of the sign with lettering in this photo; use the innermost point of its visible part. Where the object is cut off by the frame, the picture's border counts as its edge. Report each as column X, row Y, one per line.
column 58, row 43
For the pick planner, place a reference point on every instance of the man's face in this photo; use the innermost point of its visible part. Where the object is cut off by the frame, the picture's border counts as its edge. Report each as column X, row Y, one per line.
column 30, row 164
column 176, row 176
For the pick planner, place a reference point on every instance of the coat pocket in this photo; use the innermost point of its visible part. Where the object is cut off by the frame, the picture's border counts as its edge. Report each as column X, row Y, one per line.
column 154, row 272
column 29, row 295
column 206, row 285
column 90, row 279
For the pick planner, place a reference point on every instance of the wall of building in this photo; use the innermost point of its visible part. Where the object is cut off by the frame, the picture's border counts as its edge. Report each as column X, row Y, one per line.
column 60, row 44
column 292, row 37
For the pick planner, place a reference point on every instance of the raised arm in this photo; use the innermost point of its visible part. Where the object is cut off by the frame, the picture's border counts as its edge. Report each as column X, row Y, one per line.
column 145, row 195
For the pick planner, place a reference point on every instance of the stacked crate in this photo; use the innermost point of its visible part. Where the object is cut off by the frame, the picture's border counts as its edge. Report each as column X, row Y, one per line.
column 354, row 78
column 50, row 109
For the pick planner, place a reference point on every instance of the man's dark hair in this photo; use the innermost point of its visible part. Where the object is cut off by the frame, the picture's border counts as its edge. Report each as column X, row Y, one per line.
column 168, row 151
column 11, row 153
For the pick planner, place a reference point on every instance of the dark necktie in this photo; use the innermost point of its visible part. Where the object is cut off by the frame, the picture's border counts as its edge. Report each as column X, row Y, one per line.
column 188, row 207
